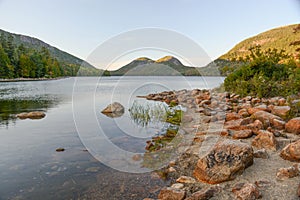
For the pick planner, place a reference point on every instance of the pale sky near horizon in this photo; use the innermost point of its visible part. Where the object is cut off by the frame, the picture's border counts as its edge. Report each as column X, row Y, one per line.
column 79, row 26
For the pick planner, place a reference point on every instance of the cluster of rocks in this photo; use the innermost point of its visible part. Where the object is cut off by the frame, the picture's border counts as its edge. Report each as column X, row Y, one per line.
column 243, row 129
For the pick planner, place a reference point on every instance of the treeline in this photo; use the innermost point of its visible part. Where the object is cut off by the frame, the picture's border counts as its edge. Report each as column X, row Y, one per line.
column 18, row 61
column 265, row 74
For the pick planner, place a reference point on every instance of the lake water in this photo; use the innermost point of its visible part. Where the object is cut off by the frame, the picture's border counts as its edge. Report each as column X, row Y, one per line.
column 94, row 164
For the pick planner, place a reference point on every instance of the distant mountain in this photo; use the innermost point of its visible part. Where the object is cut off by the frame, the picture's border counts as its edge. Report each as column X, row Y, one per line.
column 62, row 57
column 283, row 38
column 166, row 66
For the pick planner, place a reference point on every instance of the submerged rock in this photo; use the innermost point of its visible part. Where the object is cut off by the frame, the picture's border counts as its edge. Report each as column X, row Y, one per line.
column 224, row 162
column 31, row 115
column 60, row 150
column 114, row 110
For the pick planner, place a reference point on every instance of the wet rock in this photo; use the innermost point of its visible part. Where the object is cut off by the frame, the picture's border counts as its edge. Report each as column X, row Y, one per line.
column 289, row 172
column 293, row 126
column 31, row 115
column 224, row 162
column 232, row 116
column 185, row 179
column 266, row 118
column 261, row 153
column 246, row 191
column 204, row 194
column 113, row 110
column 170, row 193
column 265, row 139
column 291, row 152
column 242, row 134
column 281, row 111
column 60, row 150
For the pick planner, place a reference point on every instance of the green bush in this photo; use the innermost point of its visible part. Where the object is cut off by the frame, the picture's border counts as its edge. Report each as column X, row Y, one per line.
column 265, row 74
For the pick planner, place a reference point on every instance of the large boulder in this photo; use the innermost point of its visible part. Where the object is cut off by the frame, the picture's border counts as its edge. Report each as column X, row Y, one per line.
column 291, row 152
column 31, row 115
column 224, row 162
column 114, row 110
column 266, row 140
column 293, row 126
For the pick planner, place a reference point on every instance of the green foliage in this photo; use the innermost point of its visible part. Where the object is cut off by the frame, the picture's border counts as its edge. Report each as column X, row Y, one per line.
column 265, row 74
column 32, row 58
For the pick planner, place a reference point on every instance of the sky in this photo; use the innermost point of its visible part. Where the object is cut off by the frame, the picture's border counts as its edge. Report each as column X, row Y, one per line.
column 80, row 26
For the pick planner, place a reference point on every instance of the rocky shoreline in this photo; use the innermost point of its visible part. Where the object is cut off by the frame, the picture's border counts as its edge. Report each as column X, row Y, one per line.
column 233, row 147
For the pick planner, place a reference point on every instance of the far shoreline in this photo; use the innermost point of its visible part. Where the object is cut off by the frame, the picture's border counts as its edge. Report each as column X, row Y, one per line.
column 31, row 79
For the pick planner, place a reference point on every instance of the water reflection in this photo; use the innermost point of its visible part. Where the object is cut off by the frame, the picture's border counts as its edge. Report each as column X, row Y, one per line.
column 10, row 107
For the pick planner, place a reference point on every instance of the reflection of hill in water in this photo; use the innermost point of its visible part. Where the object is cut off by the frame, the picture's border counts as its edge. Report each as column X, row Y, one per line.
column 10, row 107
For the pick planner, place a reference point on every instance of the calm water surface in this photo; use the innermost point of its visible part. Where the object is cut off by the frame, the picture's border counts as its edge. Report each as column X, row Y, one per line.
column 30, row 168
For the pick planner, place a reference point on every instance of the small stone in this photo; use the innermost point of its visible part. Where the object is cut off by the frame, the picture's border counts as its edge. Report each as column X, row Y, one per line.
column 290, row 172
column 171, row 169
column 247, row 191
column 263, row 183
column 60, row 149
column 261, row 153
column 170, row 193
column 204, row 194
column 177, row 186
column 185, row 179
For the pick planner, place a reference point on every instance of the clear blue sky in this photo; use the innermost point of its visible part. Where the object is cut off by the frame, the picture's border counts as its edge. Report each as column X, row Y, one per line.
column 79, row 26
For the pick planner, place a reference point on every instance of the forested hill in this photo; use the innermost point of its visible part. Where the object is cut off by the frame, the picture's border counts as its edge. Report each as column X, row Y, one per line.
column 285, row 38
column 27, row 57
